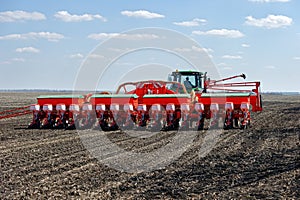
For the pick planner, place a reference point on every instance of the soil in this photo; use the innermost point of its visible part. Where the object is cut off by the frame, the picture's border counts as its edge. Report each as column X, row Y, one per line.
column 258, row 163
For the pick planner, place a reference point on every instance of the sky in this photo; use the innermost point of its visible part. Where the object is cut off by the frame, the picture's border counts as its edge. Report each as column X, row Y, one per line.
column 44, row 44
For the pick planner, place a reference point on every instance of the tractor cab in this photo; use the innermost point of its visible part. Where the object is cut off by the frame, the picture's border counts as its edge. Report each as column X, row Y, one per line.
column 192, row 80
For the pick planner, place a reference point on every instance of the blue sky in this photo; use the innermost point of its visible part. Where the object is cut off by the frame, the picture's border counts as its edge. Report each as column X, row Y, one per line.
column 44, row 43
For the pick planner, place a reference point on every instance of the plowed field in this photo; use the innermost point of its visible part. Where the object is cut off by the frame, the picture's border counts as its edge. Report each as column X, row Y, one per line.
column 260, row 162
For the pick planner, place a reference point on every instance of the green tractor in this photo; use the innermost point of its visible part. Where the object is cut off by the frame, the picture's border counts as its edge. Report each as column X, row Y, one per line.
column 192, row 80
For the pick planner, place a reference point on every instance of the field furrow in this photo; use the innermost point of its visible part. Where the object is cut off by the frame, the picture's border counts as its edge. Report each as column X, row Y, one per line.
column 260, row 162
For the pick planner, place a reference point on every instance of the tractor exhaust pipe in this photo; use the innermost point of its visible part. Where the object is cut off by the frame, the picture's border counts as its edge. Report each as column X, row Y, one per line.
column 243, row 76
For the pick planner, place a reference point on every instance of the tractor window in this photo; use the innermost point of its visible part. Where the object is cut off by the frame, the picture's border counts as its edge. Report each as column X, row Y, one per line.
column 189, row 82
column 174, row 78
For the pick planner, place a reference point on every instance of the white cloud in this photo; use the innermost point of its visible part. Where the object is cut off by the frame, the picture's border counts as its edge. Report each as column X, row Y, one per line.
column 103, row 36
column 182, row 49
column 33, row 35
column 231, row 57
column 271, row 21
column 119, row 50
column 245, row 45
column 197, row 49
column 19, row 15
column 95, row 56
column 8, row 62
column 270, row 67
column 297, row 58
column 208, row 51
column 27, row 50
column 142, row 14
column 125, row 63
column 18, row 59
column 221, row 32
column 77, row 55
column 222, row 64
column 194, row 22
column 269, row 1
column 202, row 49
column 67, row 17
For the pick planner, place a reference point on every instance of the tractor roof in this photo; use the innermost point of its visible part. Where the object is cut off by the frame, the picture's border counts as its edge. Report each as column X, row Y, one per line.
column 187, row 72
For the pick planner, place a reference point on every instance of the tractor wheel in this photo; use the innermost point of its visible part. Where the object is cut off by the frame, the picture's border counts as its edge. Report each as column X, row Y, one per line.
column 45, row 124
column 115, row 127
column 104, row 126
column 34, row 126
column 201, row 126
column 236, row 122
column 230, row 126
column 245, row 126
column 70, row 127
